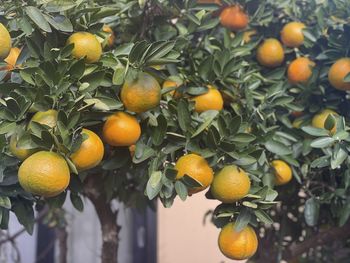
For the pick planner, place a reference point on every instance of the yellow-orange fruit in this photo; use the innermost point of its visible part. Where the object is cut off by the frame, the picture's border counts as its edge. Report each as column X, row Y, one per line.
column 319, row 120
column 111, row 38
column 5, row 42
column 283, row 172
column 270, row 53
column 86, row 46
column 212, row 100
column 300, row 70
column 121, row 129
column 234, row 18
column 337, row 73
column 90, row 152
column 292, row 34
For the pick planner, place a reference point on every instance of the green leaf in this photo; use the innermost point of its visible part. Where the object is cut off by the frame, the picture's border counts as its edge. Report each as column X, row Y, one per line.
column 190, row 181
column 5, row 202
column 243, row 138
column 77, row 201
column 209, row 116
column 315, row 131
column 25, row 214
column 159, row 132
column 311, row 212
column 118, row 76
column 181, row 190
column 263, row 216
column 183, row 115
column 242, row 220
column 154, row 184
column 322, row 142
column 277, row 148
column 38, row 18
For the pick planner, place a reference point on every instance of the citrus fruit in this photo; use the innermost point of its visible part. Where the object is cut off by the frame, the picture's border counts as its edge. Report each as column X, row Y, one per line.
column 283, row 172
column 297, row 113
column 48, row 118
column 319, row 120
column 196, row 167
column 270, row 53
column 171, row 83
column 230, row 184
column 247, row 35
column 121, row 129
column 5, row 43
column 141, row 94
column 338, row 71
column 234, row 18
column 297, row 123
column 44, row 173
column 86, row 46
column 212, row 100
column 111, row 38
column 300, row 70
column 90, row 152
column 292, row 34
column 19, row 152
column 11, row 59
column 237, row 245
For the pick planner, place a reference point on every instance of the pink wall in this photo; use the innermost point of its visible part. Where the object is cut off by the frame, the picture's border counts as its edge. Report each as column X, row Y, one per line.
column 182, row 237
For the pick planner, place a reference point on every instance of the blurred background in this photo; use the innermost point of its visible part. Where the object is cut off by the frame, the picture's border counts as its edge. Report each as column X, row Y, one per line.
column 181, row 234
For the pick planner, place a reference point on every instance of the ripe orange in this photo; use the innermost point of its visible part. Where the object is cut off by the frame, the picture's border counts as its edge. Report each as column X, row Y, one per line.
column 132, row 150
column 111, row 38
column 237, row 245
column 48, row 118
column 319, row 120
column 5, row 43
column 338, row 71
column 300, row 70
column 11, row 59
column 86, row 46
column 297, row 123
column 230, row 184
column 297, row 113
column 247, row 35
column 121, row 129
column 141, row 94
column 196, row 167
column 234, row 18
column 20, row 153
column 283, row 172
column 44, row 173
column 292, row 34
column 212, row 100
column 90, row 153
column 270, row 53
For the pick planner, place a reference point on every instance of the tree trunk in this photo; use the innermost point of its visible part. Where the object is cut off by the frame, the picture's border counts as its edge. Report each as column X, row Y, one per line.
column 62, row 237
column 107, row 217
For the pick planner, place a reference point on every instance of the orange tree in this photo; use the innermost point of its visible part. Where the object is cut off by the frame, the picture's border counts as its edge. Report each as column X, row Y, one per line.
column 254, row 92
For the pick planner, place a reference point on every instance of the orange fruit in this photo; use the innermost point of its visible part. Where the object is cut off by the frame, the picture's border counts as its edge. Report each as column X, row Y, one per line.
column 338, row 71
column 212, row 100
column 270, row 53
column 171, row 83
column 19, row 152
column 247, row 35
column 297, row 113
column 44, row 173
column 300, row 70
column 234, row 18
column 319, row 120
column 86, row 46
column 283, row 172
column 196, row 167
column 237, row 245
column 297, row 123
column 141, row 94
column 230, row 184
column 11, row 59
column 111, row 38
column 292, row 34
column 90, row 152
column 5, row 43
column 48, row 118
column 121, row 129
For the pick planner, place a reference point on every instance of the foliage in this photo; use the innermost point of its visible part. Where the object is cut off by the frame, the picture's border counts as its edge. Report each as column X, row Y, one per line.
column 254, row 128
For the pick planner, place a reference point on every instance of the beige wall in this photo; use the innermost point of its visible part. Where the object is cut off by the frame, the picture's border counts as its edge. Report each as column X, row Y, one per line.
column 182, row 237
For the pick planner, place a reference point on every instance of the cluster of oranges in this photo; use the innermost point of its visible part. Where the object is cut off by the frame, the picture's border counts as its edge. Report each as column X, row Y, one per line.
column 229, row 185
